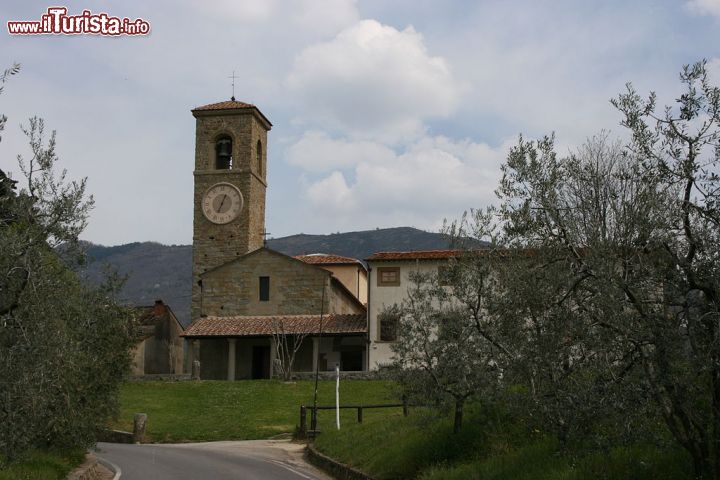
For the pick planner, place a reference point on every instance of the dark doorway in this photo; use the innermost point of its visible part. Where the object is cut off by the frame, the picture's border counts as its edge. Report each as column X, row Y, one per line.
column 260, row 361
column 351, row 361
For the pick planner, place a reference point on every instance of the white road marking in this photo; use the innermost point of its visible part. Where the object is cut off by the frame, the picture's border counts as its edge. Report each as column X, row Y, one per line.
column 288, row 467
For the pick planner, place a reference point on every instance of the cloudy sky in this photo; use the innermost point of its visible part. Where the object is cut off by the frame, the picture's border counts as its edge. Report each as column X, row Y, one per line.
column 385, row 113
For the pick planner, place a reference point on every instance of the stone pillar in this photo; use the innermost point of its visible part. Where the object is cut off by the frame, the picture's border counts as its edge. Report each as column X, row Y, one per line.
column 195, row 359
column 316, row 352
column 139, row 423
column 231, row 358
column 273, row 348
column 187, row 354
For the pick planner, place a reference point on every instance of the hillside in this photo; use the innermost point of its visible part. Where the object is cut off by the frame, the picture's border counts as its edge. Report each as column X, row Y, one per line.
column 164, row 271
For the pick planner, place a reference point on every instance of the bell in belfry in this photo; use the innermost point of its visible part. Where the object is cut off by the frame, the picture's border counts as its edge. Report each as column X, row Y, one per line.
column 223, row 149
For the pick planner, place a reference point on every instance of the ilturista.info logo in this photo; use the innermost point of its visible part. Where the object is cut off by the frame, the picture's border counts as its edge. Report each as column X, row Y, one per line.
column 56, row 21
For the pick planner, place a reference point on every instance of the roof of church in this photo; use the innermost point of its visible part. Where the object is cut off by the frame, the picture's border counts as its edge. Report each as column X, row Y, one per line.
column 257, row 326
column 327, row 259
column 418, row 255
column 227, row 105
column 232, row 105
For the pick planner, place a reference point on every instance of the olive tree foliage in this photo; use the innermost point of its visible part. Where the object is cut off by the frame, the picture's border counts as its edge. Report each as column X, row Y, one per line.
column 627, row 255
column 64, row 348
column 439, row 354
column 449, row 347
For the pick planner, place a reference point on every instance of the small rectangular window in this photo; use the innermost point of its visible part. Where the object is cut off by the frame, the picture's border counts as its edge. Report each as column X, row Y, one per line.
column 264, row 289
column 388, row 326
column 445, row 275
column 388, row 276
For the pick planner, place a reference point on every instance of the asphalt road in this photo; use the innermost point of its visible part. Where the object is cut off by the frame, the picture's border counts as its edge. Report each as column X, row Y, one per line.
column 249, row 460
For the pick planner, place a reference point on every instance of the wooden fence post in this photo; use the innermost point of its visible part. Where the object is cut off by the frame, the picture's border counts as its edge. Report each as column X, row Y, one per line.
column 303, row 422
column 405, row 406
column 313, row 420
column 360, row 413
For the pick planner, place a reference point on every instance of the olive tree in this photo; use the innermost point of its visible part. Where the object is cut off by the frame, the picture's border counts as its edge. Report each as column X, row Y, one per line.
column 450, row 344
column 636, row 233
column 439, row 353
column 64, row 347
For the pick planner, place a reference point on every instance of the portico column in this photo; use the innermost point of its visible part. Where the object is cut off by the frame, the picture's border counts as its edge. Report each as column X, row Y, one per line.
column 231, row 358
column 316, row 352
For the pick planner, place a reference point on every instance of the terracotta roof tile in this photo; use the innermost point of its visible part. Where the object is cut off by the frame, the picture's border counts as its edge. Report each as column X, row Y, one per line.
column 227, row 105
column 252, row 326
column 419, row 255
column 327, row 259
column 447, row 254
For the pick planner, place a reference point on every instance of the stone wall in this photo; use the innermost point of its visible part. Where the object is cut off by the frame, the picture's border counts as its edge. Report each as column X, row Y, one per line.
column 330, row 375
column 213, row 359
column 295, row 287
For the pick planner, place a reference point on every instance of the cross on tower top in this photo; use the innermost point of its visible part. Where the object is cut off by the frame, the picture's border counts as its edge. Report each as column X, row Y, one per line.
column 233, row 85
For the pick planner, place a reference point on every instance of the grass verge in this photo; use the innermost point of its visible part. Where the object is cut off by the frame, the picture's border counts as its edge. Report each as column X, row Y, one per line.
column 41, row 465
column 423, row 446
column 243, row 410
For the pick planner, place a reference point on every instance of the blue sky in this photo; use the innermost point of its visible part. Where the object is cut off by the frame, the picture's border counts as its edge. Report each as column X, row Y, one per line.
column 385, row 113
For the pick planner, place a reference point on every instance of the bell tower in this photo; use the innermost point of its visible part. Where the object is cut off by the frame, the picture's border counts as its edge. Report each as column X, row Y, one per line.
column 230, row 183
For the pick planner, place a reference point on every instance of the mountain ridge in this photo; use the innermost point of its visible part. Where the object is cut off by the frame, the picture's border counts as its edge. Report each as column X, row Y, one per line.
column 157, row 271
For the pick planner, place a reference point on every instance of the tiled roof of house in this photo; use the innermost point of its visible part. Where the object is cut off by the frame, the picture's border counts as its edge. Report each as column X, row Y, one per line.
column 327, row 259
column 447, row 254
column 227, row 105
column 255, row 326
column 419, row 255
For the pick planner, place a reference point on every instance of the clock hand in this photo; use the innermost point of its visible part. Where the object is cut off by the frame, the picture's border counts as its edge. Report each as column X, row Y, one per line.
column 221, row 203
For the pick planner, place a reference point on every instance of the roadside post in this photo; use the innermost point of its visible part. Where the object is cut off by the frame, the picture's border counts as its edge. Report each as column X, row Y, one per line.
column 337, row 395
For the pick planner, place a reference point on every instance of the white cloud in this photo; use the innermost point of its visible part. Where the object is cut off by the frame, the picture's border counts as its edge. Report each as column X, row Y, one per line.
column 317, row 152
column 704, row 7
column 373, row 81
column 433, row 179
column 713, row 69
column 333, row 193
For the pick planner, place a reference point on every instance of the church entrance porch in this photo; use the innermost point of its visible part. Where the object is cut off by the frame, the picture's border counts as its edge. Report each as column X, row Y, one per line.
column 235, row 348
column 256, row 358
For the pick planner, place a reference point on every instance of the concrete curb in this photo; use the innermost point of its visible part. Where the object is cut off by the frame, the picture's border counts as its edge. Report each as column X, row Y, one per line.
column 92, row 469
column 333, row 467
column 110, row 466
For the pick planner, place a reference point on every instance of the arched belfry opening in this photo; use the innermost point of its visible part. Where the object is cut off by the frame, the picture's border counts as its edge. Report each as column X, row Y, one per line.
column 223, row 153
column 258, row 157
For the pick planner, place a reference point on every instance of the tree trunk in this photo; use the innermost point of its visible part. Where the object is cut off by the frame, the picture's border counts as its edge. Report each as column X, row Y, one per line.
column 459, row 404
column 715, row 431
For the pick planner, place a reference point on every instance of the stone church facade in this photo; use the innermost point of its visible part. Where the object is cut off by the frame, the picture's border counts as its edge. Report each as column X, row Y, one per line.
column 243, row 293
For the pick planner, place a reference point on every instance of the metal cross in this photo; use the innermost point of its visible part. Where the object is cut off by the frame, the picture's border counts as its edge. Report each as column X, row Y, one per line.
column 233, row 85
column 265, row 234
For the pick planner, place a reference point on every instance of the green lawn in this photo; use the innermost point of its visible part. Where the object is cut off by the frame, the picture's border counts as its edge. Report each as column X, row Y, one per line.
column 492, row 445
column 42, row 466
column 241, row 410
column 423, row 446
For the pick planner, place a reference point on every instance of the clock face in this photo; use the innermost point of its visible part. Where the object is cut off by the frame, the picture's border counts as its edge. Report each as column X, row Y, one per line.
column 222, row 203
